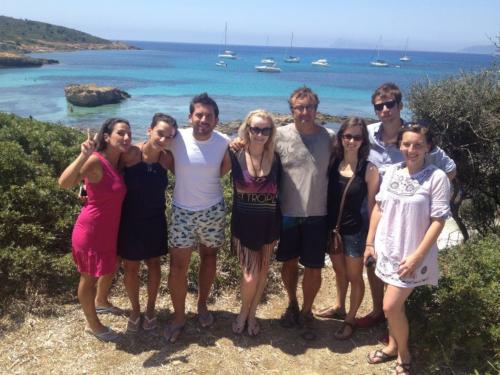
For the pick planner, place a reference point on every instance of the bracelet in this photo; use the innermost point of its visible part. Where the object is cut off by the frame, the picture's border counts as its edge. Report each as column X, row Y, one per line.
column 369, row 245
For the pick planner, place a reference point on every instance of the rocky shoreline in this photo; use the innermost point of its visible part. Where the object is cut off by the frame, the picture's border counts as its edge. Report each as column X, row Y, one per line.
column 14, row 60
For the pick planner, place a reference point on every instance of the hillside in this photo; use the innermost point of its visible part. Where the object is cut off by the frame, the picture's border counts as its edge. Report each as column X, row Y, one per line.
column 25, row 36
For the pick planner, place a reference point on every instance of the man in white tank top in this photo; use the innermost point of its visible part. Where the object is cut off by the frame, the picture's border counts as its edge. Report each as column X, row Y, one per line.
column 198, row 212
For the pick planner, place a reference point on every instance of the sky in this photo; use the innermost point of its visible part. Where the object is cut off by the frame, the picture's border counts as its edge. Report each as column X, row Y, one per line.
column 430, row 25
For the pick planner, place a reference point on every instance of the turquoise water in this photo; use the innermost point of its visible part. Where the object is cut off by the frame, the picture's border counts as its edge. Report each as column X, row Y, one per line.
column 164, row 76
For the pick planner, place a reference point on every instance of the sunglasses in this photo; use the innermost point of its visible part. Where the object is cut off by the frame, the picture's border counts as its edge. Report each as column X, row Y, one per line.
column 349, row 137
column 390, row 104
column 264, row 131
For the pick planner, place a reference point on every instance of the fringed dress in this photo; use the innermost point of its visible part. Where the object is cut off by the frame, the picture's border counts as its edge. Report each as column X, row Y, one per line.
column 256, row 216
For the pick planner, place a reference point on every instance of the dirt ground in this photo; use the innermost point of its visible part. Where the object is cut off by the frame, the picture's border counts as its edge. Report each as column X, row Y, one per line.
column 56, row 343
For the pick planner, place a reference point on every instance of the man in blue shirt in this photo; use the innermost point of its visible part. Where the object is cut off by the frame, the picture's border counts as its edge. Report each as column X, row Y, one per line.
column 384, row 151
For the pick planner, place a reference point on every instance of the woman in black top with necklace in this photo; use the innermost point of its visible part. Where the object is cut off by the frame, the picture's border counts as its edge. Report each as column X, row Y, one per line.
column 349, row 168
column 143, row 226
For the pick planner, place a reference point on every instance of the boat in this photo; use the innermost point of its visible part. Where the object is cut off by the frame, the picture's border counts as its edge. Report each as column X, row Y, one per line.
column 378, row 62
column 227, row 53
column 321, row 62
column 405, row 57
column 268, row 61
column 268, row 68
column 290, row 58
column 221, row 63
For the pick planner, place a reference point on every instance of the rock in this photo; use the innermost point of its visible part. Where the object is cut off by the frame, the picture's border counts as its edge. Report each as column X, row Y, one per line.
column 14, row 60
column 91, row 95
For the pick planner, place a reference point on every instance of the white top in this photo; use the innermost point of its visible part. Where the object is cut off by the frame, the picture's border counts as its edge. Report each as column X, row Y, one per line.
column 197, row 169
column 304, row 176
column 407, row 203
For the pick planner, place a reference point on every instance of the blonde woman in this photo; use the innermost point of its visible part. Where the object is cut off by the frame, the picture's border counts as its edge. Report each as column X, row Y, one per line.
column 255, row 222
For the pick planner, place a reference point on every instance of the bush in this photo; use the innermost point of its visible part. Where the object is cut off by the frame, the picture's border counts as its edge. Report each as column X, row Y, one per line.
column 465, row 112
column 456, row 324
column 36, row 217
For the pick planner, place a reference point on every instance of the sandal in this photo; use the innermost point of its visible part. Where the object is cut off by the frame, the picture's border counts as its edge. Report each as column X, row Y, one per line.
column 253, row 328
column 109, row 310
column 107, row 335
column 172, row 332
column 133, row 324
column 306, row 321
column 402, row 369
column 206, row 319
column 291, row 316
column 330, row 313
column 341, row 335
column 237, row 327
column 378, row 356
column 149, row 324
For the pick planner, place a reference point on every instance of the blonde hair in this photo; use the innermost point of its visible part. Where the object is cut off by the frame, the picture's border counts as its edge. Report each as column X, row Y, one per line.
column 244, row 135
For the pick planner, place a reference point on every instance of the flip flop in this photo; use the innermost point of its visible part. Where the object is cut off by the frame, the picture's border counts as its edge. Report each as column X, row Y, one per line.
column 330, row 313
column 339, row 335
column 107, row 335
column 379, row 357
column 206, row 319
column 109, row 310
column 149, row 324
column 133, row 325
column 172, row 332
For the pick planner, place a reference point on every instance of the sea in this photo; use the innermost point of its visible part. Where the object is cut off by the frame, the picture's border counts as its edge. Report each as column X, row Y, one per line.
column 163, row 77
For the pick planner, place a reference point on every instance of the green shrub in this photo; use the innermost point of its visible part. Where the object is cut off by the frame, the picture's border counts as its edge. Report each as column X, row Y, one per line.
column 456, row 324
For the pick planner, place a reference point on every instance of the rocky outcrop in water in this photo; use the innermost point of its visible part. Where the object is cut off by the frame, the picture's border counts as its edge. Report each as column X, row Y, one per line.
column 13, row 60
column 91, row 95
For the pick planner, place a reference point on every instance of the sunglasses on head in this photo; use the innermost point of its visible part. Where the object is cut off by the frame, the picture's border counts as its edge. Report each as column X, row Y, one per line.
column 389, row 104
column 256, row 130
column 349, row 137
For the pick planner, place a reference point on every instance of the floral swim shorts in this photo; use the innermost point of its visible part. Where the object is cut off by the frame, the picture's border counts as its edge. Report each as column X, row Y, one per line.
column 192, row 227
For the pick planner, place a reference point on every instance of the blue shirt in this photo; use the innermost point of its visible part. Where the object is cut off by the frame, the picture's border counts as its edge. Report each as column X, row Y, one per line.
column 383, row 155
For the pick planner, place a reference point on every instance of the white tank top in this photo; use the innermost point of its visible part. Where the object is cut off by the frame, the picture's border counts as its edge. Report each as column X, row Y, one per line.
column 197, row 169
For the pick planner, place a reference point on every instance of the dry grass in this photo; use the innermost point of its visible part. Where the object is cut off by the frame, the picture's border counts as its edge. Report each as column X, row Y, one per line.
column 49, row 339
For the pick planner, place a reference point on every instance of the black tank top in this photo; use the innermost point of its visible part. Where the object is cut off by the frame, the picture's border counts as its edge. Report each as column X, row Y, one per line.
column 351, row 221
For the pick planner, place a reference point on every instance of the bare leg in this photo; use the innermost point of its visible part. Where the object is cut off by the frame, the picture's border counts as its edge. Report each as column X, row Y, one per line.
column 341, row 283
column 354, row 267
column 377, row 292
column 154, row 277
column 86, row 296
column 290, row 277
column 206, row 275
column 103, row 286
column 394, row 309
column 310, row 286
column 131, row 280
column 177, row 282
column 248, row 289
column 261, row 285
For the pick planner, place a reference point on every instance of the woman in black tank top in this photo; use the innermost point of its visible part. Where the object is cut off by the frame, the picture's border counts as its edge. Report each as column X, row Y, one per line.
column 349, row 168
column 143, row 226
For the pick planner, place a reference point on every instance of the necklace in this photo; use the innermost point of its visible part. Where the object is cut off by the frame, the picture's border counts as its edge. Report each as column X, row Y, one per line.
column 255, row 170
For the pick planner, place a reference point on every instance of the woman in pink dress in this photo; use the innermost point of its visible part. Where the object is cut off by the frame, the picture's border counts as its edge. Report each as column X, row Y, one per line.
column 96, row 229
column 411, row 208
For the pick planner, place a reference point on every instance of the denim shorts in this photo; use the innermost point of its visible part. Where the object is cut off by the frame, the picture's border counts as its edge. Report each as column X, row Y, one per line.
column 354, row 244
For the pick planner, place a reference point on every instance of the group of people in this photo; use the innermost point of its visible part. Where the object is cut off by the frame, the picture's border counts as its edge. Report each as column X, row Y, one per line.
column 298, row 190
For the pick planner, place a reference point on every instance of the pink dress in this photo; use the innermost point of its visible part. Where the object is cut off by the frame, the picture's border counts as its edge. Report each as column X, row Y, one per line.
column 96, row 230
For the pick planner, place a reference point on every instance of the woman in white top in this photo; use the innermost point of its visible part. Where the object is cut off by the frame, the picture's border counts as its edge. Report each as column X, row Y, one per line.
column 410, row 212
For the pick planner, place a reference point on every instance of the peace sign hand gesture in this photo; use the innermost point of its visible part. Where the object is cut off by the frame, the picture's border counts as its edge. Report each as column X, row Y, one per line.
column 89, row 146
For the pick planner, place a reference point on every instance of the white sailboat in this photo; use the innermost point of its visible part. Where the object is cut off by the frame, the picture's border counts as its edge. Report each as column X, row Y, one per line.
column 268, row 68
column 268, row 60
column 405, row 57
column 290, row 58
column 226, row 54
column 378, row 62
